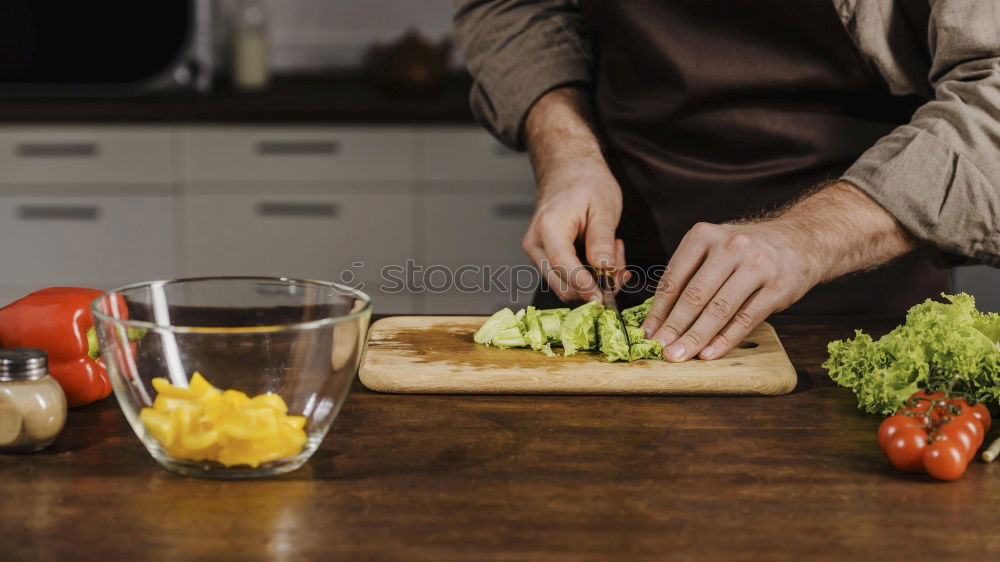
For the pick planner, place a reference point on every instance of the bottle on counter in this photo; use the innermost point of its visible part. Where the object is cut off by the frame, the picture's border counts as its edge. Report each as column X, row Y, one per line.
column 32, row 404
column 251, row 65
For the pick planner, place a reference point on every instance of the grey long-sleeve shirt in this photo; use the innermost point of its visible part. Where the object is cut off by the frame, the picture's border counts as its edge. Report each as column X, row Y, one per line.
column 939, row 174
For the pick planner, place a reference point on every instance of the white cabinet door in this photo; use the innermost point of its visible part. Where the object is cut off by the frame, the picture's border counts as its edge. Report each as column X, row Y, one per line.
column 476, row 229
column 342, row 237
column 76, row 155
column 297, row 154
column 468, row 154
column 86, row 241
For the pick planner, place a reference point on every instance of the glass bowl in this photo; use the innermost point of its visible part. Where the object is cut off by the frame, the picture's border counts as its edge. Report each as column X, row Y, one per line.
column 301, row 340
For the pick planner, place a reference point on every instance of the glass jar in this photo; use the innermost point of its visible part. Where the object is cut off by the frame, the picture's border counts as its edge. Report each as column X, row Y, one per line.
column 251, row 64
column 32, row 404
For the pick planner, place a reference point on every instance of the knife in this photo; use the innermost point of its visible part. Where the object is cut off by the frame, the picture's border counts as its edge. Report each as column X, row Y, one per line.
column 606, row 282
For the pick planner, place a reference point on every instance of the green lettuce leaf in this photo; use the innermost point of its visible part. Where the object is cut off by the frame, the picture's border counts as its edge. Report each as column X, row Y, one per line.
column 501, row 320
column 942, row 345
column 613, row 343
column 552, row 320
column 578, row 332
column 534, row 335
column 642, row 348
column 637, row 314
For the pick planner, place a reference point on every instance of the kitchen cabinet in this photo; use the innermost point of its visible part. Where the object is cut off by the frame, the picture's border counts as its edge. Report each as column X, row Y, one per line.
column 110, row 205
column 99, row 241
column 135, row 156
column 284, row 154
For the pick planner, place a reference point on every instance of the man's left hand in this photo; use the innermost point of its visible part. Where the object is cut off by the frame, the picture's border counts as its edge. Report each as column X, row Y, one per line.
column 725, row 279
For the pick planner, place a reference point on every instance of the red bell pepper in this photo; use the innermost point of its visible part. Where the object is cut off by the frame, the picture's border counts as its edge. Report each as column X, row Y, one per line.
column 58, row 321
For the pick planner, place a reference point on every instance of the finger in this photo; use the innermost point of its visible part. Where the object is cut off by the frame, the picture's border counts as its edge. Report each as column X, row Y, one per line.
column 683, row 264
column 622, row 275
column 600, row 240
column 558, row 247
column 706, row 282
column 715, row 316
column 754, row 311
column 559, row 286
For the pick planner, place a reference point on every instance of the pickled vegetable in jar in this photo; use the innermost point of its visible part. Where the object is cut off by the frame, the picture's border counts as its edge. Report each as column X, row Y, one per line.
column 32, row 404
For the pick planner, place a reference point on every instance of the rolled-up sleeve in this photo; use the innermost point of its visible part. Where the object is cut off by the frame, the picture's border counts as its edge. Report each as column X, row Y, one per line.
column 516, row 51
column 939, row 175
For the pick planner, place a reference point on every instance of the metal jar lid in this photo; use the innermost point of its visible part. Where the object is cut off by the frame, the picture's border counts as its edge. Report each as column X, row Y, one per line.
column 22, row 364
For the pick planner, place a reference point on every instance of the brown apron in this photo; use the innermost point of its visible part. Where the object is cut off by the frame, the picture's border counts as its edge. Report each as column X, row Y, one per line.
column 714, row 110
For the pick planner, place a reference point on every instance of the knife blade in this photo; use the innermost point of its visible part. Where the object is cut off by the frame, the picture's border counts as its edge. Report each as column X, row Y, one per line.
column 606, row 282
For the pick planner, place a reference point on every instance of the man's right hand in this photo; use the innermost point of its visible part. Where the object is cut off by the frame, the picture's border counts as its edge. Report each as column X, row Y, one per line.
column 578, row 197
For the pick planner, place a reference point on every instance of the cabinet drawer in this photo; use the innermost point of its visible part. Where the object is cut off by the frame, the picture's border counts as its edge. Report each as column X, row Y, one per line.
column 297, row 154
column 475, row 229
column 91, row 155
column 343, row 237
column 469, row 154
column 86, row 241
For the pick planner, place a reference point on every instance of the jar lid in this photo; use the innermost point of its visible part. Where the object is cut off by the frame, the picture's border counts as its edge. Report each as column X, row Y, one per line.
column 22, row 364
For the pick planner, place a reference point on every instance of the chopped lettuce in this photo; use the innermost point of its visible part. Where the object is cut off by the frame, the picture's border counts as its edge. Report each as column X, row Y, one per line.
column 579, row 332
column 940, row 346
column 552, row 320
column 614, row 344
column 586, row 328
column 534, row 334
column 501, row 320
column 641, row 347
column 637, row 314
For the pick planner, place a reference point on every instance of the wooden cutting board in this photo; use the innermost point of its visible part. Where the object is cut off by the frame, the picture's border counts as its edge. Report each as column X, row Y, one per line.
column 436, row 355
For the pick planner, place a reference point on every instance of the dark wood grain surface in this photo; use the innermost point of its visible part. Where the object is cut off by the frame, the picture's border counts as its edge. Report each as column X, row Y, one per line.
column 408, row 477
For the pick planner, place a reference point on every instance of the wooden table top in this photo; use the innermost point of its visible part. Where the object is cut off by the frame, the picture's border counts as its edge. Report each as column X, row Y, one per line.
column 797, row 477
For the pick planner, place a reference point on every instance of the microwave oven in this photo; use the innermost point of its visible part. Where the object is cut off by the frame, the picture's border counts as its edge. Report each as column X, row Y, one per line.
column 105, row 47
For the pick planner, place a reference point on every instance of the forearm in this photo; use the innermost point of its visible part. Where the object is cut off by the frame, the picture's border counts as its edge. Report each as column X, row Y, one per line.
column 559, row 136
column 844, row 231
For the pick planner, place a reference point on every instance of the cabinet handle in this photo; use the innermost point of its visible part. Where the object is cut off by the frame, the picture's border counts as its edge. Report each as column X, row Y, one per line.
column 283, row 209
column 513, row 210
column 297, row 148
column 57, row 150
column 58, row 212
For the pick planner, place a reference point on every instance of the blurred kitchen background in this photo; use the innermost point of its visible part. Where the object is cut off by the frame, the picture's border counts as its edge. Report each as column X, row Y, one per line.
column 323, row 139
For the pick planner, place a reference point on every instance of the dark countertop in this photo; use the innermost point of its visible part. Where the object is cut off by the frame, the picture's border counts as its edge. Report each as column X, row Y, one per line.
column 796, row 477
column 295, row 100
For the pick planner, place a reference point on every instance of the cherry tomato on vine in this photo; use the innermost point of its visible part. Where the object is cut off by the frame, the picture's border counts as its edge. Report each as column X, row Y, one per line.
column 891, row 425
column 906, row 449
column 957, row 433
column 982, row 414
column 974, row 427
column 945, row 460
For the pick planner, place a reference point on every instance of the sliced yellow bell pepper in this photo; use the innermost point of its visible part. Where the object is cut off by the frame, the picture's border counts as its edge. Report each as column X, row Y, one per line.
column 202, row 422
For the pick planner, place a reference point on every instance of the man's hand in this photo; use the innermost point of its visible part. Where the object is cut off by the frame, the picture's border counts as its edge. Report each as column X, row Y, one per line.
column 577, row 197
column 724, row 280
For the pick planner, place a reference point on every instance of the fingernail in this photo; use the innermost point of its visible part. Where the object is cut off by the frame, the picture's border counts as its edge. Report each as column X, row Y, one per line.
column 648, row 332
column 676, row 351
column 708, row 353
column 603, row 260
column 594, row 298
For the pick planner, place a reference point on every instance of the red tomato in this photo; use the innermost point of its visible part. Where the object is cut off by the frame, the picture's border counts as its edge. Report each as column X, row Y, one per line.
column 982, row 414
column 906, row 449
column 945, row 460
column 972, row 424
column 891, row 425
column 957, row 433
